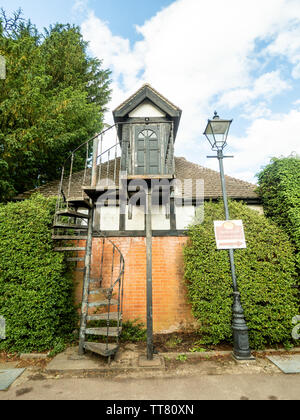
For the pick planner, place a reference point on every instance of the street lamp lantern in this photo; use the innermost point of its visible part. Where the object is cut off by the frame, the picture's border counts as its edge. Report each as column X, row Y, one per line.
column 216, row 132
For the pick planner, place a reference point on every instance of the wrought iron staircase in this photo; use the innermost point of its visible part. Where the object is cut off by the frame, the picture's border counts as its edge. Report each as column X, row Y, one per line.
column 91, row 172
column 73, row 230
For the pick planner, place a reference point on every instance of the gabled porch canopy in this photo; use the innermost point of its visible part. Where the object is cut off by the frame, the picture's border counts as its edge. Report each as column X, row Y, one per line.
column 147, row 93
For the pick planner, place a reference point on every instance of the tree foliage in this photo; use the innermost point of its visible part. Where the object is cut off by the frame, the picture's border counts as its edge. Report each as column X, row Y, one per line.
column 265, row 273
column 279, row 187
column 51, row 101
column 36, row 289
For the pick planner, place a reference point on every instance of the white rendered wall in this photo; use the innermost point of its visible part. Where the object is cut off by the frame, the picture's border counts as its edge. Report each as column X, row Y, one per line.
column 83, row 211
column 109, row 218
column 184, row 216
column 138, row 219
column 146, row 110
column 159, row 220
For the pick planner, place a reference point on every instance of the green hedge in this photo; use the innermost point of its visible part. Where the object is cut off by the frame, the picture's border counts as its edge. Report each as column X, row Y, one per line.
column 265, row 272
column 35, row 288
column 279, row 187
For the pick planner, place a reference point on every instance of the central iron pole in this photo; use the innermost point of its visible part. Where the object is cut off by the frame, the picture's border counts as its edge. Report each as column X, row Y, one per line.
column 241, row 350
column 86, row 283
column 88, row 256
column 149, row 274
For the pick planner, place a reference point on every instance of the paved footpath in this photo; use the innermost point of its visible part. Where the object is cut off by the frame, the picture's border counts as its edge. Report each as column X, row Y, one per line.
column 203, row 387
column 128, row 378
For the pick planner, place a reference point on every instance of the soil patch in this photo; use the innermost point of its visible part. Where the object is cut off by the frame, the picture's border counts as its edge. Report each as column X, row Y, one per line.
column 23, row 363
column 183, row 343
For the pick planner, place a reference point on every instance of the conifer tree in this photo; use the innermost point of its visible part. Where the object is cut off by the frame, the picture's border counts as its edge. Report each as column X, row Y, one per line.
column 52, row 100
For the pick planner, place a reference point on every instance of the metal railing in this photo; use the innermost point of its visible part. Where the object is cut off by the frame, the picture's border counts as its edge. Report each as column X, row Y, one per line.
column 111, row 278
column 101, row 158
column 80, row 167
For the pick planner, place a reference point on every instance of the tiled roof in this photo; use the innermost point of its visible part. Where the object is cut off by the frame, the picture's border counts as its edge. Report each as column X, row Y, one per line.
column 184, row 169
column 236, row 188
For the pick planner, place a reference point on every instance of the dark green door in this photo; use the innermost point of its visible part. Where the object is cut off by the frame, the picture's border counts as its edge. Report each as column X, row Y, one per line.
column 147, row 151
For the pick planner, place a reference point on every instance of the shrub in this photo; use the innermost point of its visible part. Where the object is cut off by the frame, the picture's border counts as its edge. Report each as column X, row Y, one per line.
column 265, row 273
column 279, row 187
column 35, row 287
column 133, row 331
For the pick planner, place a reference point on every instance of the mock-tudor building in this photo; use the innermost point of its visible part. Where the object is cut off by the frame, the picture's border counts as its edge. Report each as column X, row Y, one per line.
column 146, row 128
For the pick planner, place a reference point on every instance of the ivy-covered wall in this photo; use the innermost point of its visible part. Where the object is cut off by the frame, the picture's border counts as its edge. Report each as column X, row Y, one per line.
column 36, row 290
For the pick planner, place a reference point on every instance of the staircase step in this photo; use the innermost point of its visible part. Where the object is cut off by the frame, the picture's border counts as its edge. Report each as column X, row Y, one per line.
column 92, row 280
column 69, row 226
column 112, row 331
column 79, row 202
column 70, row 249
column 104, row 302
column 76, row 259
column 113, row 316
column 95, row 192
column 69, row 238
column 72, row 213
column 102, row 348
column 98, row 290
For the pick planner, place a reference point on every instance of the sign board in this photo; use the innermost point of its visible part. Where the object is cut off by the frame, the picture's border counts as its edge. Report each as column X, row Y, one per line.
column 230, row 234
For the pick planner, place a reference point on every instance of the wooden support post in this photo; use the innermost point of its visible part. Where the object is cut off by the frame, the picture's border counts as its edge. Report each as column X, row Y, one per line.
column 149, row 275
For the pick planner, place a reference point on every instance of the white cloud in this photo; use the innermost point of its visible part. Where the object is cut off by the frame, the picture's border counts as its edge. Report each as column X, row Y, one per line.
column 268, row 85
column 286, row 43
column 202, row 54
column 80, row 6
column 116, row 54
column 265, row 138
column 296, row 71
column 256, row 110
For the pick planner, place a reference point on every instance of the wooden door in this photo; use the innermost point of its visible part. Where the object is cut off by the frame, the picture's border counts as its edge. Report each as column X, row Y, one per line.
column 147, row 151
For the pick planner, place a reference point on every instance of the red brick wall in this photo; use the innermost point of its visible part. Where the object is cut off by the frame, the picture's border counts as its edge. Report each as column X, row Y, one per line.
column 171, row 312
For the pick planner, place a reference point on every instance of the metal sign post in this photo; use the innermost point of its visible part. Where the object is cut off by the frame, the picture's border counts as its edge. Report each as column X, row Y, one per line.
column 216, row 133
column 241, row 350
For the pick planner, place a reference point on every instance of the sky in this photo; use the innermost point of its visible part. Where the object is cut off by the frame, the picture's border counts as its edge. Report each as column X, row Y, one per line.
column 239, row 58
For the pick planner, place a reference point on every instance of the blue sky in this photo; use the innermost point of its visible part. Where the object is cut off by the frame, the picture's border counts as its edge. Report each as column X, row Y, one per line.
column 122, row 15
column 239, row 58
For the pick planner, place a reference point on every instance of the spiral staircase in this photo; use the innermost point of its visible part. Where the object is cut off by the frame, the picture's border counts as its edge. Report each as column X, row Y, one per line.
column 88, row 173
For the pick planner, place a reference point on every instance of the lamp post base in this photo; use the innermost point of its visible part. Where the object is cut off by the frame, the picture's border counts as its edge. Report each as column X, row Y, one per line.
column 243, row 359
column 241, row 350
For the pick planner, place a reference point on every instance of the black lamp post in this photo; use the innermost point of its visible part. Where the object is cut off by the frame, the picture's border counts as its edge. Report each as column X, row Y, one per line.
column 216, row 132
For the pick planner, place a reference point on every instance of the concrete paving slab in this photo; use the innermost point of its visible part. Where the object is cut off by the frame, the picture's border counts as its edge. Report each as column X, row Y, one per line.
column 8, row 376
column 70, row 362
column 156, row 362
column 288, row 363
